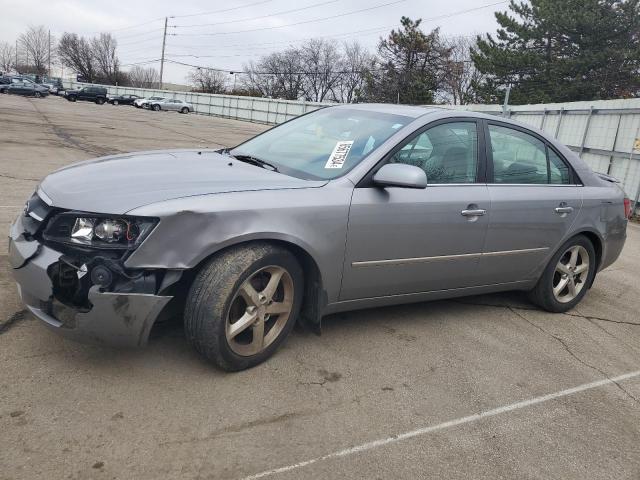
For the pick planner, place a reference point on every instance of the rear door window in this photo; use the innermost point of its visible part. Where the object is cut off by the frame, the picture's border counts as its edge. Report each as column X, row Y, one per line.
column 521, row 158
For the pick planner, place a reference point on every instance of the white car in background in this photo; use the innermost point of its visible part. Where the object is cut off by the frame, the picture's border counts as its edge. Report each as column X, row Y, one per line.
column 145, row 102
column 171, row 104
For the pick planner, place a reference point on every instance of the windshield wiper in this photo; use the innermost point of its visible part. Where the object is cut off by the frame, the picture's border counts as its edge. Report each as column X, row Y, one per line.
column 254, row 161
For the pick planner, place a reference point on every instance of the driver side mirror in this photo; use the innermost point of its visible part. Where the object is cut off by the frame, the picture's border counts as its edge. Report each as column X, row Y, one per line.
column 400, row 175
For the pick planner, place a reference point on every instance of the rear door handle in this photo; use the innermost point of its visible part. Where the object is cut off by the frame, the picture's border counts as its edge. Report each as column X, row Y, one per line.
column 563, row 210
column 473, row 213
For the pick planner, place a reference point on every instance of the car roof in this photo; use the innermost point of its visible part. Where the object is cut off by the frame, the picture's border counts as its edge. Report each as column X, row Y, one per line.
column 415, row 111
column 406, row 110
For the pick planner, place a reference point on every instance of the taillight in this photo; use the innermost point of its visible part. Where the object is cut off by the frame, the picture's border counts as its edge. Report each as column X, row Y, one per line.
column 627, row 208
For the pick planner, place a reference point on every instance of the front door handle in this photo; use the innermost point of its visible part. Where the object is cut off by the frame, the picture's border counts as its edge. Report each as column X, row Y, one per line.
column 478, row 212
column 564, row 210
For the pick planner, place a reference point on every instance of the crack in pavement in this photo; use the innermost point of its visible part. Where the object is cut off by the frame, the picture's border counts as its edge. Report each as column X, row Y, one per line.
column 70, row 141
column 12, row 320
column 13, row 177
column 576, row 357
column 533, row 309
column 589, row 317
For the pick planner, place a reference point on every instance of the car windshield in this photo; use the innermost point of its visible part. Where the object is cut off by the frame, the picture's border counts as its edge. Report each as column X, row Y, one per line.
column 324, row 144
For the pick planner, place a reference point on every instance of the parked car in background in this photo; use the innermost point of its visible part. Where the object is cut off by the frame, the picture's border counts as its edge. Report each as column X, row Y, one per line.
column 123, row 99
column 4, row 84
column 88, row 94
column 27, row 89
column 54, row 84
column 11, row 79
column 171, row 104
column 347, row 207
column 144, row 102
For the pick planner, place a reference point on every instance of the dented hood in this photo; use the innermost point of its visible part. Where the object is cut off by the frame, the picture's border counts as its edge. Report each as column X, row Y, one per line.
column 119, row 183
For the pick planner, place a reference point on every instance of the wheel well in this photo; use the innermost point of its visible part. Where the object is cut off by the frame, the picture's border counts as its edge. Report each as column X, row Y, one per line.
column 314, row 297
column 597, row 245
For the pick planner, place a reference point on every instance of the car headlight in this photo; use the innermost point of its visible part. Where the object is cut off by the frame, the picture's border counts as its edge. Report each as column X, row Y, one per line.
column 100, row 231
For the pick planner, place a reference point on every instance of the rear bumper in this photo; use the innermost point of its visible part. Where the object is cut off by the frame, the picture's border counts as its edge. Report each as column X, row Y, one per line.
column 117, row 319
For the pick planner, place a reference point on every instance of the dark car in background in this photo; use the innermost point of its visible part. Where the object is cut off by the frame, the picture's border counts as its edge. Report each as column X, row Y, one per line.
column 88, row 94
column 4, row 84
column 28, row 89
column 123, row 99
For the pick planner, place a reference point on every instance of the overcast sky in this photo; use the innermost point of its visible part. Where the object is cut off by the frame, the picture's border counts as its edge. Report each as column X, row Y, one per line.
column 244, row 29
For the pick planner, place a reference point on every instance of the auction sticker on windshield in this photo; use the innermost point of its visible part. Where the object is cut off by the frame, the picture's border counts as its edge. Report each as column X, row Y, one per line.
column 339, row 154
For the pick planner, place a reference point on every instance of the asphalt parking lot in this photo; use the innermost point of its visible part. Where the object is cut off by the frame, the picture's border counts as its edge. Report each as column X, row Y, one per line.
column 482, row 387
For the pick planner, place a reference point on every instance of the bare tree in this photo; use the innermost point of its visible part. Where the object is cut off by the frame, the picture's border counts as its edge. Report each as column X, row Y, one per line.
column 7, row 57
column 321, row 64
column 277, row 75
column 460, row 77
column 35, row 44
column 208, row 81
column 141, row 77
column 75, row 52
column 356, row 60
column 103, row 50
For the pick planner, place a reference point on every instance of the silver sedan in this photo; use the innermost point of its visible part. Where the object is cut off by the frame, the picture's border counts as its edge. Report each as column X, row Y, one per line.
column 348, row 207
column 172, row 105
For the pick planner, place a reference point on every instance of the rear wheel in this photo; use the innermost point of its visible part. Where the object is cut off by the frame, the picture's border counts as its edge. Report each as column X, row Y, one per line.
column 72, row 98
column 243, row 304
column 567, row 277
column 115, row 102
column 156, row 108
column 99, row 100
column 37, row 94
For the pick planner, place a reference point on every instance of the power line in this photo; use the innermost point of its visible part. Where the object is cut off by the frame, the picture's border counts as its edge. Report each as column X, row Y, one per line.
column 353, row 12
column 315, row 5
column 220, row 11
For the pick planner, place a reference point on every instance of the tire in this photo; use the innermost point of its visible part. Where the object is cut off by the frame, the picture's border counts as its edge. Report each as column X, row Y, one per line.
column 115, row 102
column 37, row 94
column 184, row 110
column 156, row 108
column 99, row 100
column 217, row 301
column 565, row 299
column 72, row 98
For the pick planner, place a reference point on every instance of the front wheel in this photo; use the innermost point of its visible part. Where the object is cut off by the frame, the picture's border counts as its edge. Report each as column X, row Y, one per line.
column 567, row 277
column 115, row 102
column 243, row 304
column 72, row 98
column 156, row 108
column 37, row 94
column 184, row 110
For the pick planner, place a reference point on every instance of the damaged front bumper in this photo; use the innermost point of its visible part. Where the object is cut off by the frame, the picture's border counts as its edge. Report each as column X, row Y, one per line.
column 110, row 318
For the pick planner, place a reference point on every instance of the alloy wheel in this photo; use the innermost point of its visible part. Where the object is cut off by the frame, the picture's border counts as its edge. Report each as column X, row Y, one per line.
column 570, row 276
column 259, row 310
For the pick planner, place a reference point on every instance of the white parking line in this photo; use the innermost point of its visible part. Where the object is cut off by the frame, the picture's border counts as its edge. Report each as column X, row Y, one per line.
column 11, row 206
column 441, row 426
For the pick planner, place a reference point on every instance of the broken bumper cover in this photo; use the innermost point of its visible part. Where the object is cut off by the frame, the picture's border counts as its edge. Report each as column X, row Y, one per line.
column 117, row 319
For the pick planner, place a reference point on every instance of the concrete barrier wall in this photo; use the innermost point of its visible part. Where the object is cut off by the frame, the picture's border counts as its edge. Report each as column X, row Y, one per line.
column 602, row 132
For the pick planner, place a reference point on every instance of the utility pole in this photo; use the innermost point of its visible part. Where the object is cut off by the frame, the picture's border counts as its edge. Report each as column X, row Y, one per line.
column 16, row 65
column 164, row 41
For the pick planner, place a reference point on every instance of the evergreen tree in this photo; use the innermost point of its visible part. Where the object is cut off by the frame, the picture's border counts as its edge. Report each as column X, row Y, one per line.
column 408, row 66
column 562, row 50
